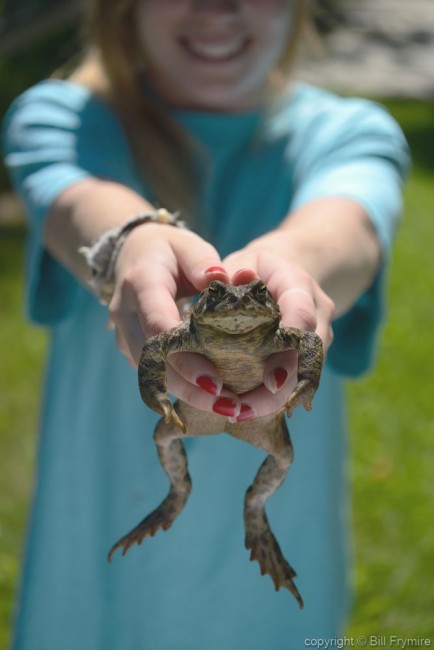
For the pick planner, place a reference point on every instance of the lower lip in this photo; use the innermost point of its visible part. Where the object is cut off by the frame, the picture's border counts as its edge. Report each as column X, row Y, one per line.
column 202, row 58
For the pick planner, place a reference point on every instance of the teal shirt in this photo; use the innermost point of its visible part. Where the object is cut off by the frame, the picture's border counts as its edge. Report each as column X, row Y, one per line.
column 193, row 587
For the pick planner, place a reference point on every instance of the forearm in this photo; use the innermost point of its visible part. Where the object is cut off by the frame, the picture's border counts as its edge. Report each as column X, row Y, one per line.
column 82, row 213
column 334, row 241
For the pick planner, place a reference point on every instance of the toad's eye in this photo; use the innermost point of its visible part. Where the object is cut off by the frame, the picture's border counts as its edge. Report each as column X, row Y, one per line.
column 260, row 292
column 216, row 290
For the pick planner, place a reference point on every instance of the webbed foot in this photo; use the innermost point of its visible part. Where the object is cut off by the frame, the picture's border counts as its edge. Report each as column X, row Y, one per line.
column 173, row 459
column 160, row 519
column 259, row 538
column 266, row 551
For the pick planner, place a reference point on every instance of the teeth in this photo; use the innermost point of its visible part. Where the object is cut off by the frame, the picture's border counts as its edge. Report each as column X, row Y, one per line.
column 216, row 51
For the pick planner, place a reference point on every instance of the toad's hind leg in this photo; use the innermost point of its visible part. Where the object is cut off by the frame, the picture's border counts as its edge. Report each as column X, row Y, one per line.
column 259, row 537
column 173, row 459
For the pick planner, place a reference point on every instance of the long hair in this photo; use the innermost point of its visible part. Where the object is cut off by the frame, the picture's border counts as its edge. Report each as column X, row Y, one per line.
column 114, row 66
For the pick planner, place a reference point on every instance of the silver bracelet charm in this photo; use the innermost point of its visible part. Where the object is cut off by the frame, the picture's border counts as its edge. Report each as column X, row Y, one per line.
column 102, row 255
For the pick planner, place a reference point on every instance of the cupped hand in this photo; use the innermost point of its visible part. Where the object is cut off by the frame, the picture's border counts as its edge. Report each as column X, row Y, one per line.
column 158, row 266
column 303, row 304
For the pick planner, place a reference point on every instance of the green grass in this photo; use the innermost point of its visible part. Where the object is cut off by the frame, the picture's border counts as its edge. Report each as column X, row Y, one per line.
column 392, row 418
column 392, row 422
column 21, row 353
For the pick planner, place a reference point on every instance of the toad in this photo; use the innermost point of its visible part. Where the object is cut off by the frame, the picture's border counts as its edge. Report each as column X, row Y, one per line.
column 237, row 328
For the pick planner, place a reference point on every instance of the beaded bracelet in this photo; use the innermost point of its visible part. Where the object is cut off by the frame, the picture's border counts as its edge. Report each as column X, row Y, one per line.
column 102, row 255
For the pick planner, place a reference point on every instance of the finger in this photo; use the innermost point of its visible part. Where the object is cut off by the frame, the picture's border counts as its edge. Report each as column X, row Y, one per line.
column 244, row 276
column 241, row 267
column 227, row 403
column 168, row 270
column 122, row 344
column 280, row 369
column 199, row 261
column 298, row 308
column 325, row 332
column 260, row 401
column 130, row 337
column 197, row 370
column 325, row 311
column 146, row 298
column 154, row 299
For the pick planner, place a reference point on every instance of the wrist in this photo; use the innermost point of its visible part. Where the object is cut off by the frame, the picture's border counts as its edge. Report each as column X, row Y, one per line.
column 333, row 241
column 102, row 256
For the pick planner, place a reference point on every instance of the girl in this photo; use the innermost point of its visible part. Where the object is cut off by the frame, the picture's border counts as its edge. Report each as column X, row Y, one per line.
column 185, row 104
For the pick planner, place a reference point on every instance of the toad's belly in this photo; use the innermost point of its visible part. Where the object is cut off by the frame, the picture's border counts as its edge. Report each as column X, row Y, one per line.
column 240, row 373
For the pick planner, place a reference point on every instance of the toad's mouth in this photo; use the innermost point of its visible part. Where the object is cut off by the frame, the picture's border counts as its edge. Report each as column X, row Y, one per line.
column 237, row 322
column 215, row 51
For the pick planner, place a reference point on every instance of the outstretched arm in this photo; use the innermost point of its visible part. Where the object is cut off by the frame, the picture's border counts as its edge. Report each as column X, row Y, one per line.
column 316, row 265
column 157, row 265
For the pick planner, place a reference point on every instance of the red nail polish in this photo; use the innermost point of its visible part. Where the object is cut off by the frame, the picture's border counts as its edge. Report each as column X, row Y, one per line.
column 224, row 406
column 215, row 269
column 280, row 376
column 207, row 384
column 246, row 413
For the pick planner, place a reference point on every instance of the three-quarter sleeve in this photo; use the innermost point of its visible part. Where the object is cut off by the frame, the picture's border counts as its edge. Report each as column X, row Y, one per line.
column 54, row 135
column 352, row 148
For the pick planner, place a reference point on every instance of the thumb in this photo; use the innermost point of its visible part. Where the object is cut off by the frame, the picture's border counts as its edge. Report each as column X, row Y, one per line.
column 199, row 261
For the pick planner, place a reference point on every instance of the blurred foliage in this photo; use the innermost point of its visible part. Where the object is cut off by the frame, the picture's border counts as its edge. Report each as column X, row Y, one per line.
column 15, row 12
column 327, row 14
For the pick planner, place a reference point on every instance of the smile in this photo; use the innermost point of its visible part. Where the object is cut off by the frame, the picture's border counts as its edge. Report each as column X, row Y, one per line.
column 215, row 52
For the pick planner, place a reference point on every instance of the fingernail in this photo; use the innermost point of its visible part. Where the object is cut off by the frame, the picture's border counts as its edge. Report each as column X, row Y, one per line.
column 280, row 376
column 225, row 406
column 246, row 413
column 207, row 384
column 215, row 269
column 244, row 276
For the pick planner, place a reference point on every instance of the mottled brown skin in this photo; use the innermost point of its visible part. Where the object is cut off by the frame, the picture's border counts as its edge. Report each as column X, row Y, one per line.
column 237, row 329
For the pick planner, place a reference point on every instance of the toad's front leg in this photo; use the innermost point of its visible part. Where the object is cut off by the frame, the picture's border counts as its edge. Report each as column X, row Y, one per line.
column 152, row 372
column 310, row 361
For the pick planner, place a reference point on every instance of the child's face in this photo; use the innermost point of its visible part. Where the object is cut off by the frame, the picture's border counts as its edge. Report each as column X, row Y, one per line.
column 213, row 54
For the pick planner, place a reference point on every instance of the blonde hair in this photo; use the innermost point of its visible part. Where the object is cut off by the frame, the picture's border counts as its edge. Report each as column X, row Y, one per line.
column 113, row 67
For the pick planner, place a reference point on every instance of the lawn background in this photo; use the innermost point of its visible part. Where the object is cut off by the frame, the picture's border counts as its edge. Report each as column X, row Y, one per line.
column 391, row 411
